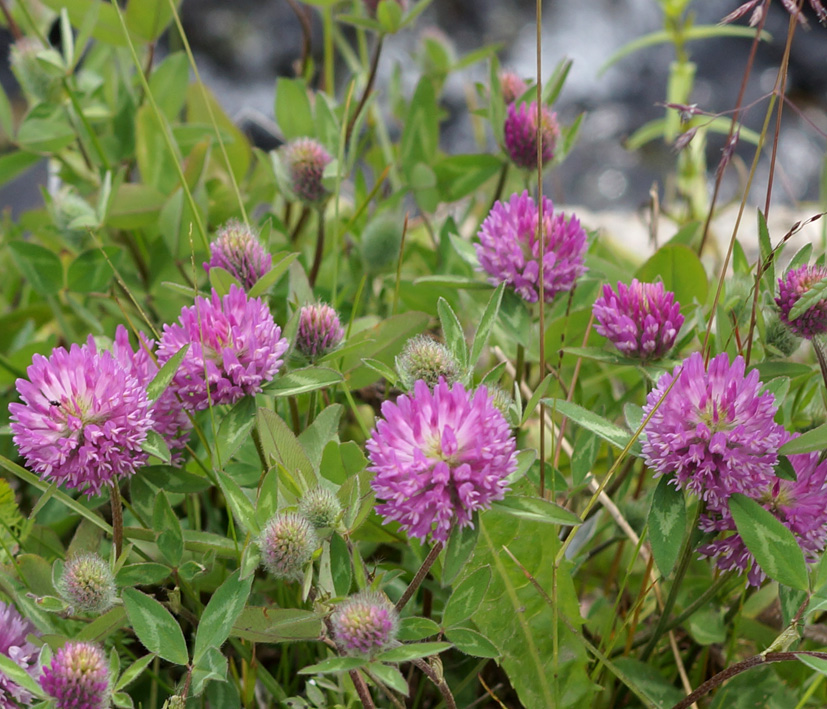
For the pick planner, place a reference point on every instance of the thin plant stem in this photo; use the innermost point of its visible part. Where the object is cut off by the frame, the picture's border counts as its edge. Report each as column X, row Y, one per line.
column 739, row 667
column 498, row 191
column 210, row 112
column 165, row 130
column 362, row 689
column 439, row 681
column 307, row 35
column 13, row 28
column 294, row 234
column 317, row 257
column 399, row 265
column 780, row 89
column 374, row 64
column 329, row 64
column 420, row 576
column 735, row 116
column 117, row 517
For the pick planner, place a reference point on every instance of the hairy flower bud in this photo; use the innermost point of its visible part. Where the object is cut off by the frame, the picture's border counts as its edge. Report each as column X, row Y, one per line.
column 319, row 330
column 512, row 86
column 287, row 543
column 87, row 584
column 425, row 358
column 321, row 507
column 365, row 623
column 521, row 134
column 238, row 251
column 306, row 160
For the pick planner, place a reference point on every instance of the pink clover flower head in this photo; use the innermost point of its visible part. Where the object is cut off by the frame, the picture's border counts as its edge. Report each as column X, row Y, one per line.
column 642, row 320
column 521, row 134
column 512, row 87
column 509, row 250
column 78, row 677
column 83, row 418
column 790, row 288
column 306, row 160
column 438, row 456
column 235, row 347
column 365, row 624
column 287, row 543
column 14, row 629
column 714, row 430
column 800, row 505
column 238, row 250
column 320, row 330
column 169, row 419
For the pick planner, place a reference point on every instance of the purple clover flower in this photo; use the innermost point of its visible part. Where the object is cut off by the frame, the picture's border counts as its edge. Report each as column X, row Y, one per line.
column 13, row 644
column 319, row 330
column 238, row 251
column 169, row 419
column 306, row 160
column 235, row 347
column 521, row 134
column 364, row 624
column 714, row 430
column 78, row 677
column 509, row 250
column 642, row 320
column 83, row 418
column 438, row 456
column 800, row 505
column 790, row 288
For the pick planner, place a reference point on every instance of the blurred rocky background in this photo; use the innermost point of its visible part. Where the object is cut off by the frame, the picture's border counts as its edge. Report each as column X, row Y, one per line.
column 243, row 46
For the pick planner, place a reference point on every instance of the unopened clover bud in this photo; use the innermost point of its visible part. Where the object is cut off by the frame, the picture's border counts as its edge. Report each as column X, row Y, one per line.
column 319, row 330
column 512, row 86
column 521, row 134
column 425, row 358
column 287, row 543
column 306, row 160
column 795, row 283
column 38, row 82
column 321, row 507
column 365, row 624
column 238, row 250
column 781, row 337
column 87, row 584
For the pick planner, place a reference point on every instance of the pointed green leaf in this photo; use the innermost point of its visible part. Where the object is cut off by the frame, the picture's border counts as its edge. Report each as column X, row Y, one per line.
column 155, row 627
column 472, row 643
column 667, row 524
column 452, row 329
column 773, row 545
column 466, row 598
column 164, row 376
column 412, row 652
column 537, row 509
column 221, row 613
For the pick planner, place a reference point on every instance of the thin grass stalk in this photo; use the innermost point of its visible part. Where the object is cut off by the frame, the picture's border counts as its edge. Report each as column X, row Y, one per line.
column 165, row 131
column 211, row 113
